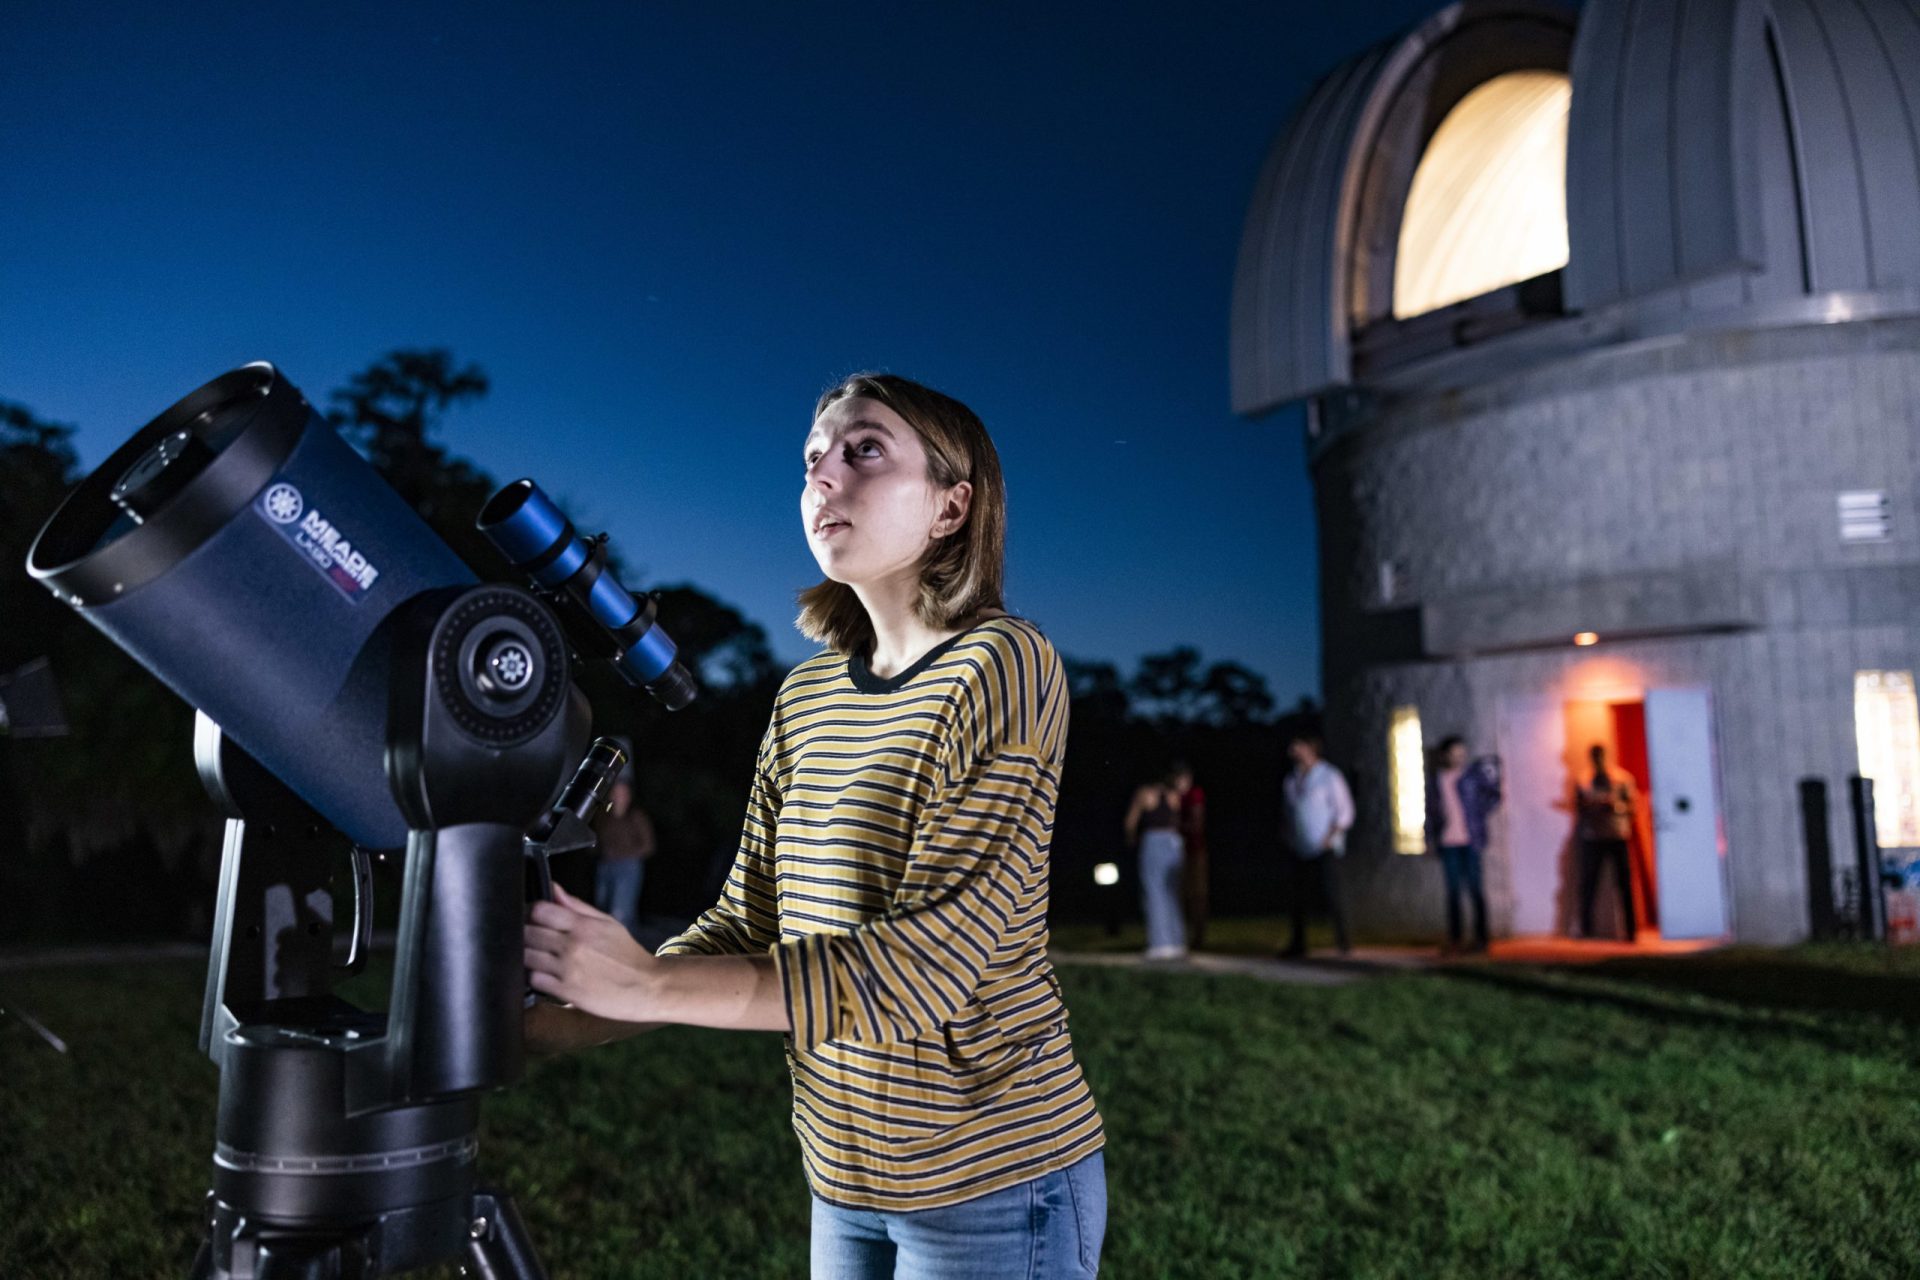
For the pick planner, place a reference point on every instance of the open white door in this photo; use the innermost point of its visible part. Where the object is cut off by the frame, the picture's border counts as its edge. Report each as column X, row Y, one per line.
column 1686, row 814
column 1534, row 787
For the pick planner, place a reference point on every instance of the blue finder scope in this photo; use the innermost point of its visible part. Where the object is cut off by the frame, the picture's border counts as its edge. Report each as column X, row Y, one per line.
column 601, row 616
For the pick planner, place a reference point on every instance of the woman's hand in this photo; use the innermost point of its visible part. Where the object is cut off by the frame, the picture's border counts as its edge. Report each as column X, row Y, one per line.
column 587, row 959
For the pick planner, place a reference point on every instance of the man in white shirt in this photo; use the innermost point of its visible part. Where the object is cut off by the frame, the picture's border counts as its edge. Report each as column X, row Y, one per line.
column 1319, row 813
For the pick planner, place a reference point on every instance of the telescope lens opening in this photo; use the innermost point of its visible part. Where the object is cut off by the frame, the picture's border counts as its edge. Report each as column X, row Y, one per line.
column 505, row 504
column 169, row 488
column 160, row 473
column 530, row 531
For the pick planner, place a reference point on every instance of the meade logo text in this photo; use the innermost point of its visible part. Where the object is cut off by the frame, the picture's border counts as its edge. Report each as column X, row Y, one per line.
column 319, row 539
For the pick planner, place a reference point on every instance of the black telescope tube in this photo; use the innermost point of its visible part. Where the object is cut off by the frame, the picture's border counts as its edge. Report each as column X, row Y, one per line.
column 240, row 550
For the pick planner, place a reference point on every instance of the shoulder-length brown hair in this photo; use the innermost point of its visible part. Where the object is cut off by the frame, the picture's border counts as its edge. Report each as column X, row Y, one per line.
column 963, row 572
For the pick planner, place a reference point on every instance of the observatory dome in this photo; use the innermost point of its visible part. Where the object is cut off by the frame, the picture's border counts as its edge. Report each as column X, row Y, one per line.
column 1519, row 179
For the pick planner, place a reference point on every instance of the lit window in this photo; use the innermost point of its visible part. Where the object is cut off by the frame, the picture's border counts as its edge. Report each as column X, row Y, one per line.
column 1407, row 779
column 1886, row 727
column 1488, row 205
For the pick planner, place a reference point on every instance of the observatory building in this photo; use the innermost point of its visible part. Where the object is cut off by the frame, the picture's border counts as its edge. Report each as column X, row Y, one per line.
column 1607, row 327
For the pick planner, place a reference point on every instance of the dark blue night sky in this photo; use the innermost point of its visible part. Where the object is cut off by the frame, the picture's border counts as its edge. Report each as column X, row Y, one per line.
column 662, row 229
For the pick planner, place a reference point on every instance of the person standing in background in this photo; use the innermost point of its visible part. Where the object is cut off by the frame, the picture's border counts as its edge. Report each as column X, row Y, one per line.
column 1319, row 813
column 626, row 842
column 1153, row 826
column 1193, row 836
column 1460, row 795
column 1603, row 807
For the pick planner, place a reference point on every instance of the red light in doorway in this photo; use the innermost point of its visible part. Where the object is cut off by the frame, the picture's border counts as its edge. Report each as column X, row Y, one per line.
column 1586, row 638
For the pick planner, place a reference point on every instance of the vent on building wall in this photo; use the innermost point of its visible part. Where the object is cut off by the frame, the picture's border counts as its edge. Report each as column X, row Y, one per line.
column 1864, row 516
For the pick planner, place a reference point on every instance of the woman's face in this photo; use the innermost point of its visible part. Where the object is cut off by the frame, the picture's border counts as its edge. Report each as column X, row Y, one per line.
column 869, row 509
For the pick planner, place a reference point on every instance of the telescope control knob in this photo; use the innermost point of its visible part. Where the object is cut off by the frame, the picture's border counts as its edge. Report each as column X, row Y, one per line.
column 507, row 666
column 502, row 665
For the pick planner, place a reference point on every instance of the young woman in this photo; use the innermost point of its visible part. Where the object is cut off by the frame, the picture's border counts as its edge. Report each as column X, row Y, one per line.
column 888, row 906
column 1153, row 828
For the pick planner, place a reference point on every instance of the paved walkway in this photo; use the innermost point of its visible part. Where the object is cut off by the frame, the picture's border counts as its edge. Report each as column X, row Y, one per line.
column 1321, row 970
column 14, row 961
column 1330, row 969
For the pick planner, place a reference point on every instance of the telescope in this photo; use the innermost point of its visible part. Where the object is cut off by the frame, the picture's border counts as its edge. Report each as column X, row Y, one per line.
column 357, row 688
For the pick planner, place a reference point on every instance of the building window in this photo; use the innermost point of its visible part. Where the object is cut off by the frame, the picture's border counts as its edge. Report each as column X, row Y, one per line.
column 1488, row 204
column 1886, row 727
column 1407, row 779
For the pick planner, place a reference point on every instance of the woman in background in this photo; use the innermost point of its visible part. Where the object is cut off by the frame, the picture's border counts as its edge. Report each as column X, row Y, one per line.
column 1153, row 824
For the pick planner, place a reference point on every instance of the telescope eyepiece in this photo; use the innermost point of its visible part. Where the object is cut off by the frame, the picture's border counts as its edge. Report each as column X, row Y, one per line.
column 675, row 687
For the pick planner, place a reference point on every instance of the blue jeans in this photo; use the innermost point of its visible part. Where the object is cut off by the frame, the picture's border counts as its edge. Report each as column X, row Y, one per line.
column 1049, row 1228
column 1162, row 857
column 616, row 888
column 1461, row 865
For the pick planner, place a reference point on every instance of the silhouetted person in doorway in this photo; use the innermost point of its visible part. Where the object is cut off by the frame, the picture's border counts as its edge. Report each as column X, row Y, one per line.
column 1603, row 808
column 1319, row 812
column 1460, row 795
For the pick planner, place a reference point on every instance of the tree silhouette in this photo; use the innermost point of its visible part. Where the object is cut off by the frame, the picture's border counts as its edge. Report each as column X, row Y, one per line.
column 1235, row 695
column 36, row 465
column 1168, row 686
column 390, row 407
column 1174, row 689
column 1096, row 690
column 389, row 410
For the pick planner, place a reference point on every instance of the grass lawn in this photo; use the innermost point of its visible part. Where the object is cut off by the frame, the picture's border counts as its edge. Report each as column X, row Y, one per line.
column 1739, row 1114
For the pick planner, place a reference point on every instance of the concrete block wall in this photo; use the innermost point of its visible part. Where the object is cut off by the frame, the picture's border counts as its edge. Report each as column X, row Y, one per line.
column 1701, row 455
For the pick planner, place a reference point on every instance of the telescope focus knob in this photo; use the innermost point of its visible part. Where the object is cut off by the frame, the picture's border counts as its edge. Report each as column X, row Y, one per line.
column 506, row 668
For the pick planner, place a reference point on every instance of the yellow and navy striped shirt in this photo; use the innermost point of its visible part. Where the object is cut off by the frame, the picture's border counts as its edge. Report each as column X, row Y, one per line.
column 894, row 861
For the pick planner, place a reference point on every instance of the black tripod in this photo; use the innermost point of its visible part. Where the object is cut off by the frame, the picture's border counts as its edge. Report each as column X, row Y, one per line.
column 345, row 1146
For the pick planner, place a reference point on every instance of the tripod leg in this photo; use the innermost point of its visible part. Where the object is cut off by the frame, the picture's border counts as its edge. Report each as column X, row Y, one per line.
column 205, row 1265
column 500, row 1248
